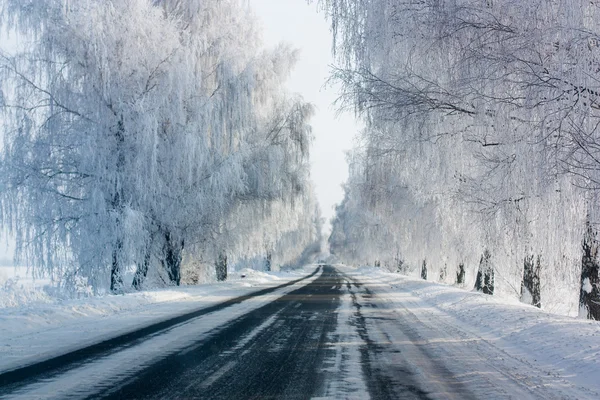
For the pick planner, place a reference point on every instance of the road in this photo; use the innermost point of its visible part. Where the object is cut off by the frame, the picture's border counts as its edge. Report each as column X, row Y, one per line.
column 285, row 349
column 276, row 351
column 328, row 337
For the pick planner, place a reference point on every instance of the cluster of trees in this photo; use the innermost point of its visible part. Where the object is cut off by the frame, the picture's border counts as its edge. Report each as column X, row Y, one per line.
column 149, row 135
column 480, row 159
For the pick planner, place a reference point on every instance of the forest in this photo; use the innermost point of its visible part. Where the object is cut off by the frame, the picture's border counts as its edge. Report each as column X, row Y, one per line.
column 152, row 139
column 479, row 164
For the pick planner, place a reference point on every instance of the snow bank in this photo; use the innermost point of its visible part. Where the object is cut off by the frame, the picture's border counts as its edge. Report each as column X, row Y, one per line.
column 17, row 288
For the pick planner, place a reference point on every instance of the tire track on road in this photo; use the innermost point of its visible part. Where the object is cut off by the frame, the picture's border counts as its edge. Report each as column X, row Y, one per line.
column 275, row 351
column 17, row 378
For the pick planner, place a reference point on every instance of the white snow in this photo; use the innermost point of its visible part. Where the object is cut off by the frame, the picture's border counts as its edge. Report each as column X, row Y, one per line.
column 487, row 344
column 587, row 286
column 41, row 326
column 448, row 340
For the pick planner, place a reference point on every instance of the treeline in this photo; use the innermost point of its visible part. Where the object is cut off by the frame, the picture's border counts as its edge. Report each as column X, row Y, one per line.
column 480, row 160
column 152, row 137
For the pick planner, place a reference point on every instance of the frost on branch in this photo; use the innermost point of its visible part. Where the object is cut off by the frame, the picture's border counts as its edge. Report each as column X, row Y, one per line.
column 138, row 134
column 481, row 133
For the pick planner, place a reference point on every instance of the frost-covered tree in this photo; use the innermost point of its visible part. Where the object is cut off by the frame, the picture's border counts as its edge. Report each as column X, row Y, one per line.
column 81, row 110
column 134, row 130
column 482, row 124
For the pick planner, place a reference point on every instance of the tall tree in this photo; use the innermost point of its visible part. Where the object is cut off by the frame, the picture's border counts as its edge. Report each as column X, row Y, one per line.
column 483, row 113
column 133, row 130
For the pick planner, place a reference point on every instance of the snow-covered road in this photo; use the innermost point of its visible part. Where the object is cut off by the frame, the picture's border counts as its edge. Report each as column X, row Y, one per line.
column 342, row 333
column 425, row 340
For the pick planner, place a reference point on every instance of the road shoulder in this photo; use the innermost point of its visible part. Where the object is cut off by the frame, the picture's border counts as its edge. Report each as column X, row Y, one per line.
column 478, row 343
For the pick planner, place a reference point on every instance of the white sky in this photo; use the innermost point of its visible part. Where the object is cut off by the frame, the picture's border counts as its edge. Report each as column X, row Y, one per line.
column 299, row 24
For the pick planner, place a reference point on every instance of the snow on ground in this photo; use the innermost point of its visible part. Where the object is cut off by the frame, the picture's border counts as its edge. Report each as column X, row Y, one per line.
column 35, row 326
column 485, row 343
column 17, row 288
column 448, row 340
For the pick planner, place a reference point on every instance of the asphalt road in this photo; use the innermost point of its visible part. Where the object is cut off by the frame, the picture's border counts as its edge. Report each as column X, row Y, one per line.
column 313, row 342
column 274, row 352
column 46, row 369
column 327, row 337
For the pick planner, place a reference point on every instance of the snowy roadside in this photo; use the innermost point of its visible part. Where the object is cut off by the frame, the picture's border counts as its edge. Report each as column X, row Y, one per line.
column 48, row 327
column 497, row 337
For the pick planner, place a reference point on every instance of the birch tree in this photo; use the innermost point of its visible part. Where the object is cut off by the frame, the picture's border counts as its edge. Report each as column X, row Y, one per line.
column 133, row 130
column 485, row 111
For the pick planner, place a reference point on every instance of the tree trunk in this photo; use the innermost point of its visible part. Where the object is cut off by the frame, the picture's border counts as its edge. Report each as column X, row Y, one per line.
column 530, row 286
column 221, row 267
column 485, row 275
column 268, row 261
column 424, row 270
column 589, row 293
column 141, row 272
column 460, row 274
column 116, row 279
column 443, row 273
column 401, row 266
column 172, row 253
